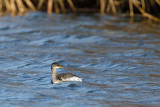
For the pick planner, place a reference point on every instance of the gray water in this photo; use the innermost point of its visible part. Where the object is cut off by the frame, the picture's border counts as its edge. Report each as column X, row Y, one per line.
column 117, row 58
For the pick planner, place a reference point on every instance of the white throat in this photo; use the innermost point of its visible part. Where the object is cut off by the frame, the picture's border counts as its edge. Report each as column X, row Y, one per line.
column 54, row 73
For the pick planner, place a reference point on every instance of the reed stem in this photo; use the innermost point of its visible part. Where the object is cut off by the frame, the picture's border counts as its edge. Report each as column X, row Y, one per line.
column 72, row 6
column 56, row 7
column 20, row 6
column 158, row 2
column 62, row 6
column 113, row 7
column 102, row 6
column 108, row 9
column 7, row 5
column 50, row 6
column 131, row 8
column 13, row 7
column 30, row 5
column 1, row 6
column 40, row 3
column 143, row 4
column 143, row 12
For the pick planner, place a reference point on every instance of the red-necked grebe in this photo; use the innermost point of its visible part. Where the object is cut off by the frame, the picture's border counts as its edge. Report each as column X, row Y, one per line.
column 63, row 77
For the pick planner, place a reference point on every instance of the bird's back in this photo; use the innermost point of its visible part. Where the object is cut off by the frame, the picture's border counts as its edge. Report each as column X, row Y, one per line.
column 66, row 75
column 69, row 77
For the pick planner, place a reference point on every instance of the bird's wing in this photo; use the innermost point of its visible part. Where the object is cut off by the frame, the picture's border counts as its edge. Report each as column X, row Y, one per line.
column 64, row 76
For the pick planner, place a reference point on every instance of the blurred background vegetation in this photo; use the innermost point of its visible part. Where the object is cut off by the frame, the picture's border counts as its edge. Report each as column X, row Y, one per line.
column 146, row 8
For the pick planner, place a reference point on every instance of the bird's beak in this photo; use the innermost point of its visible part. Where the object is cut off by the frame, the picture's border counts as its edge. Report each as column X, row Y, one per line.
column 61, row 66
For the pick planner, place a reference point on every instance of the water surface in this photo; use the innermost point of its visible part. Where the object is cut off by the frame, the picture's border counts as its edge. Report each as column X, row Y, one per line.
column 117, row 58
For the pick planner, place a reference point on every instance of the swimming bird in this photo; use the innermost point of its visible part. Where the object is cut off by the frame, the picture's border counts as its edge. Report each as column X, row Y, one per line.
column 63, row 77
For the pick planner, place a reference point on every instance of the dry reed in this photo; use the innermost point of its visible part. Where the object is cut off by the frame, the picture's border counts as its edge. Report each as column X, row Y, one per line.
column 0, row 7
column 158, row 2
column 20, row 6
column 30, row 5
column 106, row 6
column 40, row 3
column 50, row 5
column 13, row 8
column 102, row 6
column 72, row 5
column 62, row 6
column 112, row 5
column 135, row 3
column 57, row 10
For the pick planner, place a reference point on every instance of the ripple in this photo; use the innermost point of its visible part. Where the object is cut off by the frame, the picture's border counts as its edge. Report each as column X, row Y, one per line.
column 118, row 64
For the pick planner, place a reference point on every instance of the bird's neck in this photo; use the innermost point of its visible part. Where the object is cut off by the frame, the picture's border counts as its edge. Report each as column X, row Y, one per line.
column 54, row 73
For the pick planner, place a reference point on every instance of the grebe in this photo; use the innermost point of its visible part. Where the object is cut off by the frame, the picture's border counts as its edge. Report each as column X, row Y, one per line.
column 58, row 78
